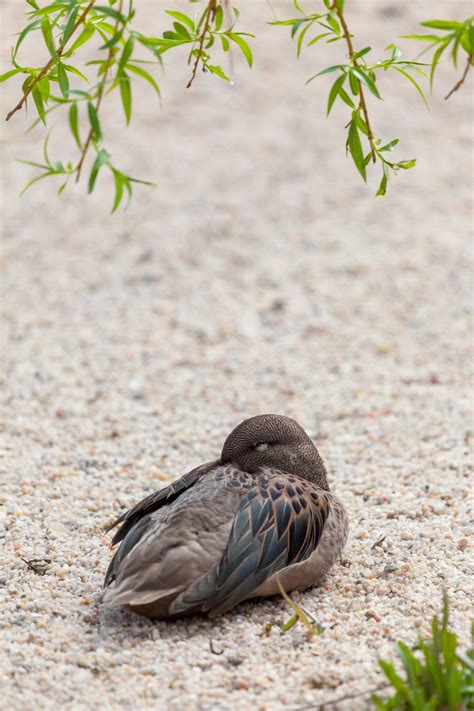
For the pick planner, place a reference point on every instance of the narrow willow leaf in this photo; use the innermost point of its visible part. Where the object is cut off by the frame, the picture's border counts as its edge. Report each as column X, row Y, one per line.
column 435, row 60
column 35, row 180
column 127, row 51
column 10, row 73
column 354, row 84
column 85, row 35
column 126, row 96
column 94, row 120
column 415, row 84
column 333, row 24
column 382, row 189
column 407, row 164
column 366, row 79
column 73, row 70
column 63, row 80
column 390, row 146
column 145, row 75
column 219, row 18
column 118, row 178
column 334, row 92
column 111, row 13
column 245, row 48
column 301, row 37
column 101, row 159
column 44, row 88
column 29, row 28
column 442, row 24
column 181, row 30
column 38, row 99
column 74, row 123
column 48, row 36
column 183, row 18
column 216, row 69
column 329, row 70
column 346, row 98
column 361, row 52
column 355, row 148
column 317, row 38
column 72, row 17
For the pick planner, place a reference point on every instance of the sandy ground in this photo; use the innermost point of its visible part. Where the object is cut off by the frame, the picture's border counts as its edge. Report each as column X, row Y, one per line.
column 259, row 276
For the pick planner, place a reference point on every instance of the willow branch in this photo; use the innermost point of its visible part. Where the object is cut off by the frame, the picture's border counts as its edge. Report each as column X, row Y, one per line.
column 51, row 62
column 100, row 95
column 210, row 14
column 362, row 102
column 459, row 84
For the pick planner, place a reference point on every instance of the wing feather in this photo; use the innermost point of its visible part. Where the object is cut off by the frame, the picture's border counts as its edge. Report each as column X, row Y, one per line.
column 279, row 522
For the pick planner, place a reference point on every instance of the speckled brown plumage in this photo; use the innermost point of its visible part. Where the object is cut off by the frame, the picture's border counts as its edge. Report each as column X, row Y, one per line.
column 231, row 529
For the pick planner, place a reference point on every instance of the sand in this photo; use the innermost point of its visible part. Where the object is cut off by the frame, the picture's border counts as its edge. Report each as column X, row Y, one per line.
column 260, row 275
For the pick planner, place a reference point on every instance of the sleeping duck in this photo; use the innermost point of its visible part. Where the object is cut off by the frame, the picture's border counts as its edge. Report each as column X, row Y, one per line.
column 258, row 517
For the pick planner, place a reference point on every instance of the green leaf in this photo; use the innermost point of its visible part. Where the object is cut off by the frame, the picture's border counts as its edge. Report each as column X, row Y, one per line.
column 355, row 148
column 390, row 146
column 85, row 35
column 48, row 36
column 29, row 28
column 63, row 80
column 101, row 159
column 422, row 38
column 182, row 18
column 346, row 98
column 291, row 622
column 442, row 24
column 119, row 182
column 145, row 75
column 334, row 68
column 246, row 51
column 74, row 123
column 94, row 120
column 44, row 88
column 127, row 51
column 126, row 96
column 414, row 82
column 317, row 38
column 72, row 17
column 38, row 99
column 354, row 84
column 333, row 24
column 407, row 164
column 361, row 52
column 382, row 189
column 73, row 70
column 181, row 30
column 35, row 180
column 366, row 79
column 219, row 18
column 435, row 60
column 334, row 92
column 10, row 73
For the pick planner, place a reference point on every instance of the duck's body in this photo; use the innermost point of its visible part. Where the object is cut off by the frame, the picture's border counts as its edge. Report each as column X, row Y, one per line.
column 229, row 530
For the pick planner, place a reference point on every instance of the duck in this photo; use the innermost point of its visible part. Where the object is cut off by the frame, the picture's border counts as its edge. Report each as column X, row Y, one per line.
column 259, row 518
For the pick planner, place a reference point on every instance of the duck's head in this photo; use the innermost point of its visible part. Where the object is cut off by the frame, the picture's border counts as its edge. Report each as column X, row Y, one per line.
column 274, row 441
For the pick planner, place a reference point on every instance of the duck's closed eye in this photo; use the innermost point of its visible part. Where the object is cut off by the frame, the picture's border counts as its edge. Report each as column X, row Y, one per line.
column 261, row 446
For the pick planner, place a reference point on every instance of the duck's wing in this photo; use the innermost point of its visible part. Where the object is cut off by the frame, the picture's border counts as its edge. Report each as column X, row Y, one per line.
column 279, row 522
column 157, row 499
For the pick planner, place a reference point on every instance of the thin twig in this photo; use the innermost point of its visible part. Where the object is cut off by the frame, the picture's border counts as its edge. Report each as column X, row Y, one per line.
column 210, row 14
column 100, row 95
column 459, row 84
column 362, row 104
column 52, row 61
